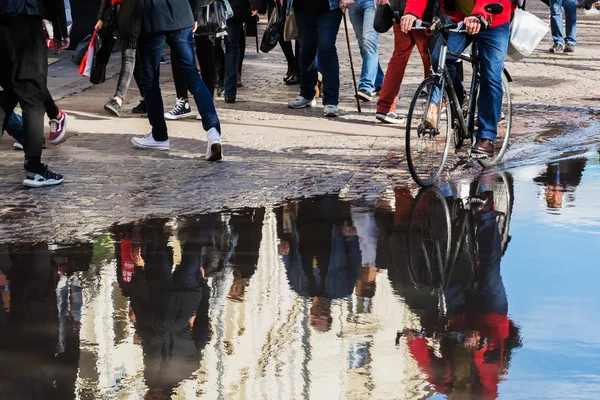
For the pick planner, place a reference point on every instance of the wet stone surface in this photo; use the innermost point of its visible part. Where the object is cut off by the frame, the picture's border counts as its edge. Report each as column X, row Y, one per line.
column 322, row 298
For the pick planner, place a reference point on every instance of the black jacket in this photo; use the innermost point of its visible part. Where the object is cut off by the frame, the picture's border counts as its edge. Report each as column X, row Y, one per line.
column 52, row 10
column 242, row 9
column 129, row 19
column 169, row 15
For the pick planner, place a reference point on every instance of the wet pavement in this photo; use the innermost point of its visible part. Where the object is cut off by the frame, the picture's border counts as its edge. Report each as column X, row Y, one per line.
column 482, row 288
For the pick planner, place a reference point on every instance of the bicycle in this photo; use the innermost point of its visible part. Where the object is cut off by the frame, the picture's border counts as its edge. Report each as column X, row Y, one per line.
column 442, row 235
column 428, row 142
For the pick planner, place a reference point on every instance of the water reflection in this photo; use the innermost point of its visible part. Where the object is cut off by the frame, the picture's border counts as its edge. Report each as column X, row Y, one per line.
column 560, row 179
column 313, row 298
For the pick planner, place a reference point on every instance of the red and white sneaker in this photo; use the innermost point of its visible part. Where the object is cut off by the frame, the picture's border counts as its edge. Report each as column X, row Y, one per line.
column 58, row 128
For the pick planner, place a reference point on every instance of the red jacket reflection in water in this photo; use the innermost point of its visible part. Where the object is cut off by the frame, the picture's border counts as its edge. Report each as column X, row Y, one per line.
column 476, row 349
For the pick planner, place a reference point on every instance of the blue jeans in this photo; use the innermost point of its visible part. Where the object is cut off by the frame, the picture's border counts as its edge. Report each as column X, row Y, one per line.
column 181, row 42
column 317, row 34
column 492, row 45
column 14, row 127
column 556, row 21
column 362, row 15
column 233, row 52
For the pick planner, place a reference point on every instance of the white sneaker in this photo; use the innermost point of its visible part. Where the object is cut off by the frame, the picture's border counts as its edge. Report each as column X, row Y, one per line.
column 331, row 111
column 214, row 148
column 199, row 117
column 181, row 110
column 301, row 102
column 148, row 143
column 390, row 118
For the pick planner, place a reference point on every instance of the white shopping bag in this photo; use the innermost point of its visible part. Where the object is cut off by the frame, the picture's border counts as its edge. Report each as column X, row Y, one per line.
column 85, row 68
column 526, row 32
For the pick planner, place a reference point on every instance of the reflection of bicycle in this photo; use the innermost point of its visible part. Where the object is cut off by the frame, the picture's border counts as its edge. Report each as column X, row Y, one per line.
column 442, row 234
column 435, row 112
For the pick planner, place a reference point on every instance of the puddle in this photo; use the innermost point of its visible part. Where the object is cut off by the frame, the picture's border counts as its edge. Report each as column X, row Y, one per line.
column 322, row 298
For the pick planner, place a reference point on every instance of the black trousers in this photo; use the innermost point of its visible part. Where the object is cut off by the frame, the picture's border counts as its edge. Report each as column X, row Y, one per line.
column 204, row 53
column 23, row 76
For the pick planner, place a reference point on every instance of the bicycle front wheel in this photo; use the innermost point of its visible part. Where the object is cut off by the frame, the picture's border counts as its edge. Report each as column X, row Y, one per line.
column 428, row 132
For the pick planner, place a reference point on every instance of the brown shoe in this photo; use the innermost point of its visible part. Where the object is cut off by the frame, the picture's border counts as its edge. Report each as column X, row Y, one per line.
column 484, row 147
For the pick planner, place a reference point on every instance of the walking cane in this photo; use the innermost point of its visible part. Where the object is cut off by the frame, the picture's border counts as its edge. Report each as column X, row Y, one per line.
column 351, row 63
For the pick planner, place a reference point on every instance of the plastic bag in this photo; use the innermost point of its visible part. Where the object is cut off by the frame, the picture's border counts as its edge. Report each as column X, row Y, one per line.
column 85, row 68
column 526, row 32
column 81, row 49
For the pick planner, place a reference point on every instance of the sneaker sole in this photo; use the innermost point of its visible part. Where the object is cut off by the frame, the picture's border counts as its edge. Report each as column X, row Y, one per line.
column 363, row 97
column 216, row 152
column 176, row 117
column 300, row 107
column 112, row 111
column 38, row 184
column 390, row 121
column 140, row 146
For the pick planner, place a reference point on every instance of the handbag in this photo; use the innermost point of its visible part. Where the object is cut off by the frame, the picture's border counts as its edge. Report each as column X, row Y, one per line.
column 81, row 49
column 526, row 32
column 384, row 18
column 273, row 30
column 290, row 29
column 104, row 45
column 213, row 18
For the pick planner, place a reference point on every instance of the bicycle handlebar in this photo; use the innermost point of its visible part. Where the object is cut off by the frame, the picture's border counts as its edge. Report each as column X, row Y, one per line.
column 436, row 25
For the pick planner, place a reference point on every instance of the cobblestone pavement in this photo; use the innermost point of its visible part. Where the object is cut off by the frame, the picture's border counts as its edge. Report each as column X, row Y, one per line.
column 272, row 153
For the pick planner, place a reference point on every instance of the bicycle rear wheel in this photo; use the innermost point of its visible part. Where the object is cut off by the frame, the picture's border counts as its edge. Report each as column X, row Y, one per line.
column 429, row 234
column 428, row 142
column 504, row 126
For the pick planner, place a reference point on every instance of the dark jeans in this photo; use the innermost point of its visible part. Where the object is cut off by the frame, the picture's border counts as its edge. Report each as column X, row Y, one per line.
column 317, row 34
column 492, row 45
column 150, row 49
column 130, row 67
column 23, row 75
column 14, row 123
column 219, row 55
column 233, row 56
column 204, row 52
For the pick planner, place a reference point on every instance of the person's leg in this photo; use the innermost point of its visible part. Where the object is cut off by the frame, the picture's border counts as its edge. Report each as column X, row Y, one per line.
column 307, row 27
column 181, row 43
column 403, row 47
column 204, row 53
column 180, row 87
column 232, row 59
column 328, row 25
column 150, row 50
column 127, row 69
column 242, row 47
column 556, row 21
column 52, row 110
column 219, row 56
column 571, row 21
column 14, row 127
column 456, row 43
column 380, row 75
column 492, row 45
column 362, row 15
column 137, row 74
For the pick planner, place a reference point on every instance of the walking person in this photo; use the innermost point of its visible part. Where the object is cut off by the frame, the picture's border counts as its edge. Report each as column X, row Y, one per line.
column 362, row 16
column 291, row 76
column 563, row 43
column 172, row 21
column 318, row 24
column 24, row 72
column 128, row 25
column 404, row 43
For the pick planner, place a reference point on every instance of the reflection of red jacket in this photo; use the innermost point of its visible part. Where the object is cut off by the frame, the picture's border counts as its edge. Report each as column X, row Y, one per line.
column 441, row 373
column 417, row 8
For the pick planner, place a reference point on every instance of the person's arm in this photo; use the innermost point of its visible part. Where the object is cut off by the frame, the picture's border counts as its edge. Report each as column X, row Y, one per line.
column 414, row 10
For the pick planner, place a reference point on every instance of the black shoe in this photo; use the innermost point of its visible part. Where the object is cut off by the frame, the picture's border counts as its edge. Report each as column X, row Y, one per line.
column 557, row 48
column 140, row 108
column 164, row 60
column 220, row 92
column 377, row 91
column 42, row 177
column 290, row 73
column 294, row 80
column 569, row 48
column 181, row 110
column 229, row 100
column 364, row 95
column 483, row 147
column 483, row 202
column 113, row 107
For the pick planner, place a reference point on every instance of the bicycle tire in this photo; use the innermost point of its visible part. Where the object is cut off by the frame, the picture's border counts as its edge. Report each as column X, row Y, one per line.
column 429, row 217
column 504, row 127
column 426, row 148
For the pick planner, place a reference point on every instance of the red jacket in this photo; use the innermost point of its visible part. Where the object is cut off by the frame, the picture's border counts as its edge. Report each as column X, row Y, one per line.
column 417, row 7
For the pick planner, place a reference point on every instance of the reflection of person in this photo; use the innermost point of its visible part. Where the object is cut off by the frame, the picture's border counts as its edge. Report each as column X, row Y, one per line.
column 559, row 178
column 169, row 307
column 477, row 345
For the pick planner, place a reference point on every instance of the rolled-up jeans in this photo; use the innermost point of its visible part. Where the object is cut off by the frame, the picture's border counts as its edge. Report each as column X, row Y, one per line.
column 492, row 45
